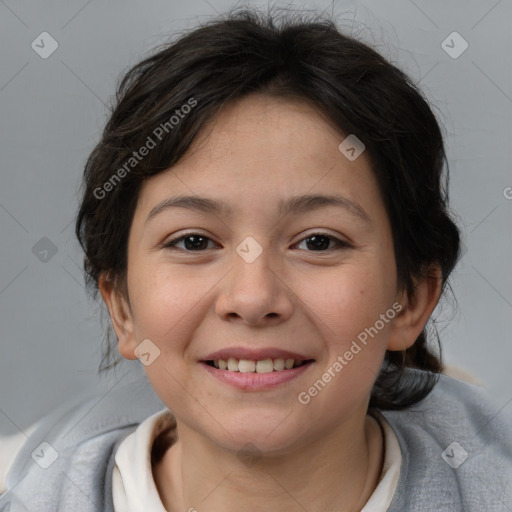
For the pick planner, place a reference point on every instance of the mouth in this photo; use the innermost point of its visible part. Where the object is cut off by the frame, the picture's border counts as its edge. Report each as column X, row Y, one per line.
column 256, row 370
column 266, row 365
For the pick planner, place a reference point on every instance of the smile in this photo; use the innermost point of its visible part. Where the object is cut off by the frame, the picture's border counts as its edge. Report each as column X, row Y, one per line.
column 261, row 366
column 247, row 375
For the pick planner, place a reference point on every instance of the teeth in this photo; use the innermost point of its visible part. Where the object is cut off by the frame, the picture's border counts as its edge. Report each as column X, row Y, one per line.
column 232, row 364
column 264, row 366
column 278, row 364
column 245, row 366
column 248, row 366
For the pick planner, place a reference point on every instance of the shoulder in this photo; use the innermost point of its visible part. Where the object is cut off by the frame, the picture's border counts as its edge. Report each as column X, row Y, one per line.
column 69, row 457
column 457, row 450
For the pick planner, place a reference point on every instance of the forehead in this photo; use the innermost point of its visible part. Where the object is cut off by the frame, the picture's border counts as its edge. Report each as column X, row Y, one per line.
column 258, row 152
column 263, row 127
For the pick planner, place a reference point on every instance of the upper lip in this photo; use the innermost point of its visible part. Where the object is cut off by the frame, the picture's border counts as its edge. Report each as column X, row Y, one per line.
column 251, row 354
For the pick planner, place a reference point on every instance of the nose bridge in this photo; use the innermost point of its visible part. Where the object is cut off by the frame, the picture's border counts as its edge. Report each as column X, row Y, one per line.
column 254, row 290
column 253, row 271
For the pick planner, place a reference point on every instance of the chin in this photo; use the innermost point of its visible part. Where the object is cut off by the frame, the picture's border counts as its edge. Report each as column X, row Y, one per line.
column 257, row 439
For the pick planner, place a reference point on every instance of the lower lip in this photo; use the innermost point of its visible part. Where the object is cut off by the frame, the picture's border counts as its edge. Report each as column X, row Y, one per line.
column 256, row 381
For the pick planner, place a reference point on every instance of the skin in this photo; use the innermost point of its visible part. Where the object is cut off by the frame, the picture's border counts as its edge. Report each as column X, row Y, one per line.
column 293, row 296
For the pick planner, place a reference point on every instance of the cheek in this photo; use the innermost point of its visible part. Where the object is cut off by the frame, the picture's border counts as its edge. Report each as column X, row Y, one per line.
column 167, row 305
column 160, row 299
column 353, row 298
column 355, row 308
column 169, row 302
column 354, row 333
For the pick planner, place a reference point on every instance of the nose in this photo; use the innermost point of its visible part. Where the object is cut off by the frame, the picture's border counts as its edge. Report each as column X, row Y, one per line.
column 254, row 293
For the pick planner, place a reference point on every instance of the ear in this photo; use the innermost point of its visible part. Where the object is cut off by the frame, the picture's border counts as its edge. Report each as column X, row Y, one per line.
column 416, row 310
column 120, row 315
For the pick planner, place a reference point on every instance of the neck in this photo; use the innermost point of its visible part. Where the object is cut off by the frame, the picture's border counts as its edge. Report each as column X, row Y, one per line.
column 336, row 473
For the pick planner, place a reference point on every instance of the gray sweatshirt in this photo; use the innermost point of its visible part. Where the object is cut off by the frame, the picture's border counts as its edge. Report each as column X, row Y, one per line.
column 456, row 452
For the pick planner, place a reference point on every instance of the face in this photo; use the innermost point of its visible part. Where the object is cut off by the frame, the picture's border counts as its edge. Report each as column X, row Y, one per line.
column 303, row 282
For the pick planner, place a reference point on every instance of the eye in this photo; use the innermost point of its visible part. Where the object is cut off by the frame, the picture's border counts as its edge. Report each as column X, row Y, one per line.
column 194, row 242
column 319, row 242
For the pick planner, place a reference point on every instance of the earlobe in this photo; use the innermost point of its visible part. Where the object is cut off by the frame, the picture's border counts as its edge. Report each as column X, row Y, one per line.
column 120, row 315
column 416, row 311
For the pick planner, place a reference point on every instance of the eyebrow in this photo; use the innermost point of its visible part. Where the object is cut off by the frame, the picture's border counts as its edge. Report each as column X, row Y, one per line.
column 296, row 205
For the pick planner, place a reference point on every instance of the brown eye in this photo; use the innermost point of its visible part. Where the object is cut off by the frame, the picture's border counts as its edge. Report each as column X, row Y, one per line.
column 193, row 242
column 320, row 242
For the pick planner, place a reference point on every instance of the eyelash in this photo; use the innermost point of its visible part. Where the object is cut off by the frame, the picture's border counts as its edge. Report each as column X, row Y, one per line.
column 171, row 244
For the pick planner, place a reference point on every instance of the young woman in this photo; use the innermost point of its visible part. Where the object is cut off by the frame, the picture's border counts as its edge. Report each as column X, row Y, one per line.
column 266, row 219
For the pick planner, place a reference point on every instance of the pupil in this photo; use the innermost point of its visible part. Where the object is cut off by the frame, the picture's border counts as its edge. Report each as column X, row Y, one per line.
column 196, row 242
column 316, row 240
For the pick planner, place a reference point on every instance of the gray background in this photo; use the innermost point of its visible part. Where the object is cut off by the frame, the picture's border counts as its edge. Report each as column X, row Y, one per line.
column 52, row 111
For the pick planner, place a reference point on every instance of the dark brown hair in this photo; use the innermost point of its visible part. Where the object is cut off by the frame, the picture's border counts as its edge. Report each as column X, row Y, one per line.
column 355, row 88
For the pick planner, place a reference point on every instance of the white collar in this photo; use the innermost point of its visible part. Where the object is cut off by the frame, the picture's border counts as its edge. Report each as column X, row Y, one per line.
column 134, row 489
